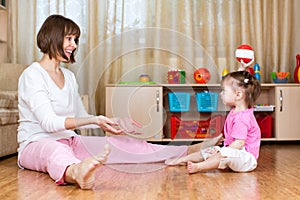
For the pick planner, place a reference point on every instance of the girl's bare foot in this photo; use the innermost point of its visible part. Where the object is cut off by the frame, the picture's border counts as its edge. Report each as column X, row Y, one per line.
column 83, row 173
column 192, row 167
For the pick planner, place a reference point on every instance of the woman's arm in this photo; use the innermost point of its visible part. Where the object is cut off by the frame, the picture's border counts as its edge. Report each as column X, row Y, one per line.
column 103, row 122
column 84, row 120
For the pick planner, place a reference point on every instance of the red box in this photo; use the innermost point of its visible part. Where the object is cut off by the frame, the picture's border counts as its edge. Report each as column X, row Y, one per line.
column 265, row 125
column 196, row 129
column 176, row 76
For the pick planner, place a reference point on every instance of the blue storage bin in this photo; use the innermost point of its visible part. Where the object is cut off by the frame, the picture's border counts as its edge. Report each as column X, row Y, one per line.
column 179, row 101
column 207, row 101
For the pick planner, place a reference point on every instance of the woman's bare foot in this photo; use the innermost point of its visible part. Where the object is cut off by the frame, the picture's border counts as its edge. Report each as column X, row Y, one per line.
column 192, row 167
column 176, row 161
column 83, row 173
column 212, row 141
column 195, row 157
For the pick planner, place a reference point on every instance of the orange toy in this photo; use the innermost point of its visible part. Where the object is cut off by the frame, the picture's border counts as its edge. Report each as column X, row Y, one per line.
column 202, row 75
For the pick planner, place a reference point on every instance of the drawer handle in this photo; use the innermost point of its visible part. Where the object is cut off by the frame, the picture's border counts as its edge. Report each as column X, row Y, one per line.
column 281, row 101
column 157, row 100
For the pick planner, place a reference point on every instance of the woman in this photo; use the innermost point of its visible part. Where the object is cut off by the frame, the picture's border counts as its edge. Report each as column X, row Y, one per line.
column 50, row 109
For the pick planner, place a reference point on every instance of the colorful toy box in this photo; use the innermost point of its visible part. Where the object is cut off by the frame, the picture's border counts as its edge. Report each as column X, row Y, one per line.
column 176, row 76
column 196, row 129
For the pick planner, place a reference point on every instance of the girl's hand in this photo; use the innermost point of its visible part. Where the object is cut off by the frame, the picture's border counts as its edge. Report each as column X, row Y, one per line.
column 109, row 125
column 213, row 151
column 237, row 144
column 129, row 125
column 210, row 151
column 220, row 141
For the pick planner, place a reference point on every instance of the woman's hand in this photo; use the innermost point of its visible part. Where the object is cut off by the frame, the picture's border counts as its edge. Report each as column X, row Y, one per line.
column 109, row 125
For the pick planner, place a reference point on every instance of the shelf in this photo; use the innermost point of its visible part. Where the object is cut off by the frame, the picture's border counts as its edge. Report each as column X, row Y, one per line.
column 268, row 139
column 264, row 85
column 265, row 111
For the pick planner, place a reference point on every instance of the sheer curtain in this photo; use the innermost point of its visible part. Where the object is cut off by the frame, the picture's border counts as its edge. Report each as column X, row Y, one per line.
column 122, row 39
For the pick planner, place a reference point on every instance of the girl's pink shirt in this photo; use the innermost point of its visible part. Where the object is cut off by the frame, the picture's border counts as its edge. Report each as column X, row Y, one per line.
column 243, row 125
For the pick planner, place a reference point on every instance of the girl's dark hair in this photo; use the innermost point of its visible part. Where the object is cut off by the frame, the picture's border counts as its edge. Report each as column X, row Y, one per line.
column 51, row 36
column 248, row 82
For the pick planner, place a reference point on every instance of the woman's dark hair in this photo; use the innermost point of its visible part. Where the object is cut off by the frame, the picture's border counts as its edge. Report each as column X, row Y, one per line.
column 51, row 36
column 248, row 82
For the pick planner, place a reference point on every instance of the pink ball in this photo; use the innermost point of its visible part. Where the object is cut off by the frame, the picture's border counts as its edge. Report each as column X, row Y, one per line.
column 245, row 53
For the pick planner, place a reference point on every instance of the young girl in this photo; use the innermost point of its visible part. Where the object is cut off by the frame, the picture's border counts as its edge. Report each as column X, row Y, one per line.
column 242, row 134
column 50, row 108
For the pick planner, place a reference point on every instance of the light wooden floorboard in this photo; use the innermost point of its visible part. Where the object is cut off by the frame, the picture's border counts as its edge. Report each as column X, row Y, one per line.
column 277, row 177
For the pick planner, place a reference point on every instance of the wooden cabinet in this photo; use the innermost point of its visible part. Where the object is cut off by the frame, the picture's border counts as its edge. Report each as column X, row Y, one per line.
column 3, row 34
column 142, row 104
column 287, row 113
column 149, row 104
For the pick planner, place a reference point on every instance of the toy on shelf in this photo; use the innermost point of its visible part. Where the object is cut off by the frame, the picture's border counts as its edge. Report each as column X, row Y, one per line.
column 224, row 72
column 135, row 83
column 280, row 77
column 202, row 75
column 245, row 53
column 257, row 71
column 297, row 69
column 144, row 78
column 264, row 108
column 176, row 76
column 209, row 128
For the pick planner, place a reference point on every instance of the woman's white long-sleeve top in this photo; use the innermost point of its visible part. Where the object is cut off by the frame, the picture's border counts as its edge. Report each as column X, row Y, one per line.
column 44, row 107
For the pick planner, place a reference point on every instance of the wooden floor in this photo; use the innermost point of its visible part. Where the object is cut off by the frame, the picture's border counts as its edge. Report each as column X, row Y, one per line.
column 277, row 177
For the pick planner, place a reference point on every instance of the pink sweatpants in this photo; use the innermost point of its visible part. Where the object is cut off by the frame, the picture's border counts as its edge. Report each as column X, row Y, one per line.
column 54, row 157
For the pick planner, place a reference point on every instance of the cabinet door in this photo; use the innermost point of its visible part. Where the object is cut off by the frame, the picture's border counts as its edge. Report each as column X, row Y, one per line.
column 287, row 122
column 142, row 104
